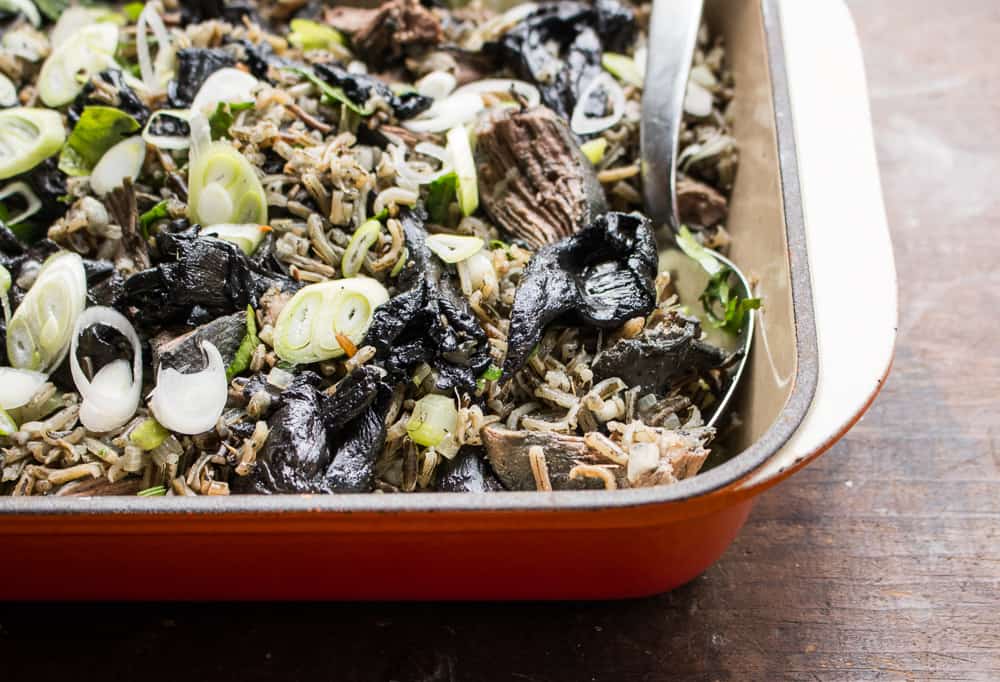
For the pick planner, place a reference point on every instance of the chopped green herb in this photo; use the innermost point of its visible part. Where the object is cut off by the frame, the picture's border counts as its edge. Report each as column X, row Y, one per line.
column 132, row 10
column 724, row 308
column 381, row 215
column 441, row 192
column 149, row 434
column 222, row 120
column 98, row 130
column 241, row 361
column 155, row 491
column 492, row 373
column 158, row 212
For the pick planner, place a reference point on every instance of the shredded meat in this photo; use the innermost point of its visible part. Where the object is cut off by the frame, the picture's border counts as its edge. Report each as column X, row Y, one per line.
column 384, row 35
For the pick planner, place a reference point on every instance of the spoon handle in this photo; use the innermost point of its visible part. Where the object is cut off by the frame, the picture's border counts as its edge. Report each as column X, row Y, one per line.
column 673, row 34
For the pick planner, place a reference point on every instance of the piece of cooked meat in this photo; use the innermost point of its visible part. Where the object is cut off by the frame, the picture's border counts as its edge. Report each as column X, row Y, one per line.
column 384, row 35
column 534, row 181
column 699, row 204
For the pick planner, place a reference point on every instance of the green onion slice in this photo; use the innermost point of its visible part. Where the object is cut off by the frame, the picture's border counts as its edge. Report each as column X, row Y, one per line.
column 155, row 491
column 148, row 435
column 223, row 188
column 357, row 249
column 434, row 418
column 122, row 161
column 90, row 50
column 623, row 67
column 312, row 35
column 467, row 186
column 308, row 326
column 247, row 237
column 401, row 263
column 594, row 149
column 454, row 248
column 27, row 137
column 7, row 425
column 41, row 329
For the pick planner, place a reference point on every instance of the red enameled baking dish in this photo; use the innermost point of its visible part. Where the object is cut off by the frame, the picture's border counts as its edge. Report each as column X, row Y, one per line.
column 812, row 374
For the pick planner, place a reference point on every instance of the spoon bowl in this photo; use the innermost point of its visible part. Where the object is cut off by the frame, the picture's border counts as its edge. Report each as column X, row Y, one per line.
column 673, row 29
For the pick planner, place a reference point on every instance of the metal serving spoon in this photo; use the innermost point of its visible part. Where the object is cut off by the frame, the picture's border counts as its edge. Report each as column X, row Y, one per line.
column 673, row 34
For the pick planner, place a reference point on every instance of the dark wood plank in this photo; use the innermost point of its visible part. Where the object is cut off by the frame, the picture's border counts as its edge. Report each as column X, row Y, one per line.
column 880, row 561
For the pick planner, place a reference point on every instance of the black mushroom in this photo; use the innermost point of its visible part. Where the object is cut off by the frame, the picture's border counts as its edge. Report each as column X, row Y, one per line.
column 194, row 66
column 559, row 48
column 658, row 357
column 181, row 351
column 429, row 320
column 533, row 179
column 387, row 33
column 541, row 460
column 366, row 91
column 467, row 472
column 113, row 92
column 603, row 276
column 321, row 443
column 194, row 275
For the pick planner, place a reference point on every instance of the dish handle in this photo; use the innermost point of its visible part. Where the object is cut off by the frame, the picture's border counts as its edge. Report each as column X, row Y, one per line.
column 853, row 274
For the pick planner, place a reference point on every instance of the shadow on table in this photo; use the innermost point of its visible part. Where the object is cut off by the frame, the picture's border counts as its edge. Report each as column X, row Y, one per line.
column 638, row 639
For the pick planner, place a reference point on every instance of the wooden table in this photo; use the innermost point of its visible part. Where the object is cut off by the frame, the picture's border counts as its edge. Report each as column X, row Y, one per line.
column 880, row 561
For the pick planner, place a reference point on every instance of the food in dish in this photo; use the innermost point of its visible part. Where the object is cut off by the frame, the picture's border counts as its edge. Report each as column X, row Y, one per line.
column 288, row 248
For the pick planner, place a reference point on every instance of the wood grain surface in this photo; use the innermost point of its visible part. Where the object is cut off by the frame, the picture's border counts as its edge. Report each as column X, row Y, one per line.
column 879, row 561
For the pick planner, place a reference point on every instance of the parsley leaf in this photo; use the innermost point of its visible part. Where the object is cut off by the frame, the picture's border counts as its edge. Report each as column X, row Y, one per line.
column 724, row 308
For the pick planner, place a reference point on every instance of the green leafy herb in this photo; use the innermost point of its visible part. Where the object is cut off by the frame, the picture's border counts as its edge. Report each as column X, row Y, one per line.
column 331, row 95
column 158, row 212
column 132, row 10
column 155, row 491
column 724, row 308
column 222, row 120
column 149, row 435
column 97, row 131
column 381, row 215
column 241, row 361
column 441, row 193
column 52, row 8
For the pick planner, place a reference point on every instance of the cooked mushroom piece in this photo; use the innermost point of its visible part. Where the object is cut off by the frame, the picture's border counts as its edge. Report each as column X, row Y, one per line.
column 430, row 320
column 357, row 447
column 559, row 47
column 602, row 276
column 194, row 66
column 363, row 90
column 468, row 472
column 182, row 351
column 659, row 357
column 114, row 91
column 700, row 204
column 534, row 181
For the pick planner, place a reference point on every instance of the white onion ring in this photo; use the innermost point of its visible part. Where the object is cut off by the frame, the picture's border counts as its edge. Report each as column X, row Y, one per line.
column 225, row 85
column 34, row 204
column 502, row 86
column 112, row 396
column 18, row 386
column 394, row 195
column 169, row 142
column 124, row 160
column 151, row 76
column 455, row 110
column 437, row 84
column 191, row 403
column 414, row 178
column 586, row 125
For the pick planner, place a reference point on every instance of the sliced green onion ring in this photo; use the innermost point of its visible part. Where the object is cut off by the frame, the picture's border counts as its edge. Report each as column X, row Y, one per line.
column 307, row 327
column 41, row 329
column 312, row 35
column 454, row 248
column 224, row 188
column 8, row 93
column 247, row 237
column 111, row 398
column 124, row 160
column 467, row 188
column 594, row 149
column 357, row 248
column 401, row 263
column 25, row 7
column 90, row 50
column 155, row 75
column 28, row 136
column 433, row 419
column 227, row 85
column 191, row 403
column 18, row 386
column 8, row 426
column 32, row 203
column 623, row 67
column 148, row 435
column 170, row 142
